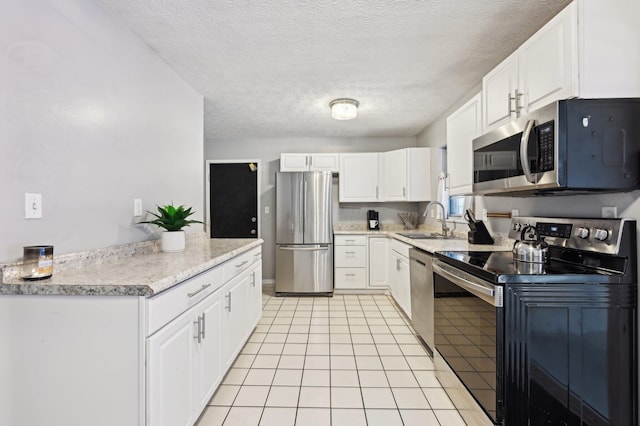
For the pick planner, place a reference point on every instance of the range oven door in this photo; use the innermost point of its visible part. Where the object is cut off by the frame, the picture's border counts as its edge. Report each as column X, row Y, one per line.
column 469, row 333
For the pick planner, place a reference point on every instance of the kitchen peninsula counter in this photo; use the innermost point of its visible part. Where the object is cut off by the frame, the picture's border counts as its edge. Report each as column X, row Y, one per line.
column 138, row 269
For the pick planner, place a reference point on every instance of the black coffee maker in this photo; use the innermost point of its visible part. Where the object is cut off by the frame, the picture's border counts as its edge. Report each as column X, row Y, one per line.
column 373, row 223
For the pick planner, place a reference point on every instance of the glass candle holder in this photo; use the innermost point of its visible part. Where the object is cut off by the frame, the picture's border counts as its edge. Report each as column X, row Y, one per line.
column 37, row 262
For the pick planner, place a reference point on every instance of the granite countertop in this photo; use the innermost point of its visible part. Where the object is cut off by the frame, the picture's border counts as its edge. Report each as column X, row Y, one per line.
column 136, row 273
column 458, row 243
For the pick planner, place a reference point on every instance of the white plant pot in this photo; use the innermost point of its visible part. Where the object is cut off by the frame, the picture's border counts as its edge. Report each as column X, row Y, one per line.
column 172, row 242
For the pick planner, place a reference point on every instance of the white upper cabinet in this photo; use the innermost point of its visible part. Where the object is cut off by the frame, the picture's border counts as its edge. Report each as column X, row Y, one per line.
column 499, row 87
column 407, row 175
column 303, row 162
column 579, row 53
column 361, row 177
column 462, row 127
column 548, row 62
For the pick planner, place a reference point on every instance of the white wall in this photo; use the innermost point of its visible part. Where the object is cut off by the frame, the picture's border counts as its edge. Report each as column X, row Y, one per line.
column 268, row 151
column 91, row 119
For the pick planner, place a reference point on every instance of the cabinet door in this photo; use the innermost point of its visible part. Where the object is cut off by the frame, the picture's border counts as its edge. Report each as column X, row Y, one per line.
column 359, row 174
column 171, row 372
column 396, row 175
column 462, row 127
column 547, row 62
column 236, row 320
column 394, row 273
column 378, row 264
column 294, row 162
column 255, row 294
column 498, row 88
column 324, row 162
column 208, row 348
column 404, row 285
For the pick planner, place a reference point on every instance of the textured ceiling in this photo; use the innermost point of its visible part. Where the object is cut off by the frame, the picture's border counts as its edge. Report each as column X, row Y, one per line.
column 269, row 68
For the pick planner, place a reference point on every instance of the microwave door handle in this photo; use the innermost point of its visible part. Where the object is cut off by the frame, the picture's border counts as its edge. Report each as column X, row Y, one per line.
column 524, row 147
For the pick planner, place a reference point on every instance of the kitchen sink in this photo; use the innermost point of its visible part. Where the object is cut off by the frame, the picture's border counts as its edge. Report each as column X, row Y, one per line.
column 422, row 236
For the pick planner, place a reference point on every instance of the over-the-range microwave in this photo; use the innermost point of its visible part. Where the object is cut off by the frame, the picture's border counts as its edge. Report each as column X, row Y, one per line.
column 569, row 146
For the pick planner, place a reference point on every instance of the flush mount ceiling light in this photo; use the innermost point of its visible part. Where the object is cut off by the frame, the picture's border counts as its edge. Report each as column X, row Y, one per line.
column 344, row 109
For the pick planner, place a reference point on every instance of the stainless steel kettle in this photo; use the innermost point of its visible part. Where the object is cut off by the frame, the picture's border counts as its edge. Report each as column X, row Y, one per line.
column 530, row 248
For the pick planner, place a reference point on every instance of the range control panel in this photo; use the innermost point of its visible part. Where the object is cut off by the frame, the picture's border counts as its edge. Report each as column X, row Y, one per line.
column 591, row 234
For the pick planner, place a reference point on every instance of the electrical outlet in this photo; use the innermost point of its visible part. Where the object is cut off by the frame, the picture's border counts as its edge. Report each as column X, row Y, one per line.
column 515, row 213
column 266, row 210
column 137, row 207
column 32, row 206
column 609, row 212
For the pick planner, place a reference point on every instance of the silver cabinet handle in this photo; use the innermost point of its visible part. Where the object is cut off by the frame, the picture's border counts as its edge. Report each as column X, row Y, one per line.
column 311, row 161
column 404, row 191
column 203, row 326
column 241, row 264
column 228, row 307
column 350, row 275
column 203, row 288
column 349, row 252
column 253, row 279
column 516, row 102
column 376, row 192
column 198, row 335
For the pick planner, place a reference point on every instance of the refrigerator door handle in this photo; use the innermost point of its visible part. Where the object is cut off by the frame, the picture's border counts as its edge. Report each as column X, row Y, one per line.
column 294, row 248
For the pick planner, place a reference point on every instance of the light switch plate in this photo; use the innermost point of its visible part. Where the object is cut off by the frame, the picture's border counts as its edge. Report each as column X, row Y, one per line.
column 137, row 207
column 32, row 206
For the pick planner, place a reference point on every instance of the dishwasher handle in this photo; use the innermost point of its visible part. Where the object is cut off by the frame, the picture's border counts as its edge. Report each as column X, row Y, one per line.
column 484, row 290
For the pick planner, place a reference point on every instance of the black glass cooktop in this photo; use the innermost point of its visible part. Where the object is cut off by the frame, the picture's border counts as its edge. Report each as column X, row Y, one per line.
column 500, row 267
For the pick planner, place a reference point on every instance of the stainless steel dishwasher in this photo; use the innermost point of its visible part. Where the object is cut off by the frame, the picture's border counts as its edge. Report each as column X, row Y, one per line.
column 421, row 273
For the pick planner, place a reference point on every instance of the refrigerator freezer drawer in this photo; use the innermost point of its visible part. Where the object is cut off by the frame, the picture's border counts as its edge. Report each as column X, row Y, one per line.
column 304, row 268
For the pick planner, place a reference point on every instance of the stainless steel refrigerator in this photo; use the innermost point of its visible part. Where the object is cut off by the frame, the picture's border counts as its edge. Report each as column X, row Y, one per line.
column 304, row 233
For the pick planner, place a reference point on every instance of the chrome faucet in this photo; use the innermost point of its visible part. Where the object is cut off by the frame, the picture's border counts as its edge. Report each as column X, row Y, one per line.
column 445, row 230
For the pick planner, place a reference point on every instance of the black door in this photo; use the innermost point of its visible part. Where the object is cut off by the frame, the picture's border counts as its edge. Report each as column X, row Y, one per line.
column 233, row 200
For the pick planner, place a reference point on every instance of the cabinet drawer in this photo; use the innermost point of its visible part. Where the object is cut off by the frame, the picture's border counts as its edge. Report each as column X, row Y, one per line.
column 350, row 256
column 350, row 240
column 400, row 247
column 169, row 304
column 233, row 267
column 347, row 278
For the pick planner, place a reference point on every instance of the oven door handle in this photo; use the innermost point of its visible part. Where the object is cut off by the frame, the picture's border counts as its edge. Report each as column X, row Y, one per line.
column 492, row 294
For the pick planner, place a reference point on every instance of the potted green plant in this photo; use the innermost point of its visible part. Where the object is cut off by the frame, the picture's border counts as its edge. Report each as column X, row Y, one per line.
column 172, row 219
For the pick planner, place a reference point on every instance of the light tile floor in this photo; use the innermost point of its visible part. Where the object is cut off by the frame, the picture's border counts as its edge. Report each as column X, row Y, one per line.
column 347, row 360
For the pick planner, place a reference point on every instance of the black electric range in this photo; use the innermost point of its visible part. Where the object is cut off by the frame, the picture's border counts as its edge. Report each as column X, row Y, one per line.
column 545, row 343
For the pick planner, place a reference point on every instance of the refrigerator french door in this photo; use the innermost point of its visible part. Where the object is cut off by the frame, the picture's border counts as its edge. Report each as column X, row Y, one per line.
column 304, row 233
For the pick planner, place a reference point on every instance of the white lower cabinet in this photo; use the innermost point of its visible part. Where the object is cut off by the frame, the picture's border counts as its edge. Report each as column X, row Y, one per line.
column 378, row 264
column 187, row 358
column 184, row 364
column 235, row 294
column 399, row 277
column 350, row 262
column 151, row 361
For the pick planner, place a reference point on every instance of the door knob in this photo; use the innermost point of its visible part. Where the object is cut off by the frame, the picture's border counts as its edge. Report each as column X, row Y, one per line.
column 253, row 219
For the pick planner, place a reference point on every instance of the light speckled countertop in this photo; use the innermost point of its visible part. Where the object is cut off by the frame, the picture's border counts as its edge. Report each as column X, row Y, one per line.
column 458, row 243
column 138, row 272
